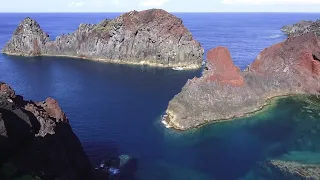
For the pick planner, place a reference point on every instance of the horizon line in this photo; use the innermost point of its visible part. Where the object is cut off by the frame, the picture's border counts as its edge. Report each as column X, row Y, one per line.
column 169, row 12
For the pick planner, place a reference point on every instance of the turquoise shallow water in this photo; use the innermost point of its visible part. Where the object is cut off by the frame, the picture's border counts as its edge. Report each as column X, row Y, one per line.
column 115, row 109
column 288, row 129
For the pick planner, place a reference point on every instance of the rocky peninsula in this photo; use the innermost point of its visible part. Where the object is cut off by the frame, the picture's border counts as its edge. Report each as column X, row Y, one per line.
column 36, row 140
column 223, row 92
column 151, row 37
column 301, row 28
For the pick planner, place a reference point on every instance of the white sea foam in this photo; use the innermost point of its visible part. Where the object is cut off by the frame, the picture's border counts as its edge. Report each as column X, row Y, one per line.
column 275, row 36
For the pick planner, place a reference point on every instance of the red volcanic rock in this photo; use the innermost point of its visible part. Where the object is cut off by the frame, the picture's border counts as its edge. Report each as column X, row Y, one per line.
column 296, row 52
column 47, row 109
column 222, row 68
column 54, row 110
column 7, row 90
column 316, row 67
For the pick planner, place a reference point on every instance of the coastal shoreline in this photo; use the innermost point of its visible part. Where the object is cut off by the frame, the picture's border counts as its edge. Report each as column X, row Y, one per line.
column 268, row 102
column 112, row 61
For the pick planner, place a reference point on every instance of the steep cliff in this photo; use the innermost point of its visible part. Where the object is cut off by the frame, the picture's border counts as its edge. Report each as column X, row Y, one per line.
column 37, row 139
column 152, row 37
column 223, row 92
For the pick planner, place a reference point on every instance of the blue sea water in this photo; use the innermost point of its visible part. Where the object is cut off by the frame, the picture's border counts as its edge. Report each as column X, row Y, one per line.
column 116, row 108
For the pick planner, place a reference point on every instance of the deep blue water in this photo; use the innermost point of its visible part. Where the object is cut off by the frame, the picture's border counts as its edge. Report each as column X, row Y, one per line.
column 116, row 108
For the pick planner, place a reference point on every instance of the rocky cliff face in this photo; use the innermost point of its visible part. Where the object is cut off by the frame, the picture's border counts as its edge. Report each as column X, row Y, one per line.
column 223, row 92
column 302, row 27
column 151, row 37
column 38, row 140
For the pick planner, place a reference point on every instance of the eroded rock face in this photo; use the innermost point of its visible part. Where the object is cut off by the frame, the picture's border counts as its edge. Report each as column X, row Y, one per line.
column 152, row 37
column 38, row 140
column 302, row 27
column 290, row 67
column 221, row 68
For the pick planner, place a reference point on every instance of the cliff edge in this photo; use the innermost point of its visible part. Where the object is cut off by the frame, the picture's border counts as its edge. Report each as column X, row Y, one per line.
column 36, row 138
column 151, row 37
column 223, row 92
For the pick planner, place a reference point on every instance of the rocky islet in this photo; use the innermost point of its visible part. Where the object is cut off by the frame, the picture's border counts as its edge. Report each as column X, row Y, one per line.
column 151, row 37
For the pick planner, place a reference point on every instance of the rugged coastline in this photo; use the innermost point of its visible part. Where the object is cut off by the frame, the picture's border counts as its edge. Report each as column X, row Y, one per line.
column 152, row 37
column 37, row 140
column 224, row 92
column 301, row 28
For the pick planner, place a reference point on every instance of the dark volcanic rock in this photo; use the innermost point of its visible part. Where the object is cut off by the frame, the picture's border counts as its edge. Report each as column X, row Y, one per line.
column 302, row 27
column 290, row 67
column 152, row 37
column 38, row 140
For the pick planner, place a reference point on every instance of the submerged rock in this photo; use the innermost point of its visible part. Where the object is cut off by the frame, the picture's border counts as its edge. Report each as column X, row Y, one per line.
column 301, row 28
column 37, row 139
column 152, row 37
column 223, row 92
column 295, row 170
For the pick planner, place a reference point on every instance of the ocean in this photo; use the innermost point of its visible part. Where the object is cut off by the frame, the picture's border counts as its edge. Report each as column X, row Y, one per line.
column 116, row 109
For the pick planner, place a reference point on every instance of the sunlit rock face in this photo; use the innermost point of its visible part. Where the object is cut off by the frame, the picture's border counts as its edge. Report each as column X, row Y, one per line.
column 301, row 28
column 223, row 92
column 152, row 37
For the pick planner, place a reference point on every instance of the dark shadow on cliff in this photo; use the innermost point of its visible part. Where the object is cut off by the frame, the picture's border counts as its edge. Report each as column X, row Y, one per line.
column 59, row 155
column 50, row 157
column 19, row 133
column 33, row 120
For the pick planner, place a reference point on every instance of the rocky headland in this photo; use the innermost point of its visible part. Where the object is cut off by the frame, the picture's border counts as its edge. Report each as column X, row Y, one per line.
column 37, row 141
column 151, row 37
column 223, row 92
column 301, row 28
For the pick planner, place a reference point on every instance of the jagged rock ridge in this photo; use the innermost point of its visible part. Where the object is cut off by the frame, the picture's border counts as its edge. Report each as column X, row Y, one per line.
column 153, row 37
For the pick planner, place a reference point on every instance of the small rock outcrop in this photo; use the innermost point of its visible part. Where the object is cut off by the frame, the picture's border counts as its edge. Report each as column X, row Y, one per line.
column 151, row 37
column 223, row 92
column 38, row 140
column 301, row 28
column 295, row 170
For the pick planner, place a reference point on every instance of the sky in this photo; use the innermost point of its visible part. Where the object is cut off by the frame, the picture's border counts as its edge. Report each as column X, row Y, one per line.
column 169, row 5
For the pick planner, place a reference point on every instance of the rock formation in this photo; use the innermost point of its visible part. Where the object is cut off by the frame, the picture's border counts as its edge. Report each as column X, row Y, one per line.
column 301, row 28
column 295, row 170
column 223, row 92
column 152, row 37
column 38, row 140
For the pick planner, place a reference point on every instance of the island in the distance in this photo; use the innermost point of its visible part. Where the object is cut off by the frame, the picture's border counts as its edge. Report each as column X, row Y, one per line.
column 301, row 28
column 224, row 92
column 151, row 37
